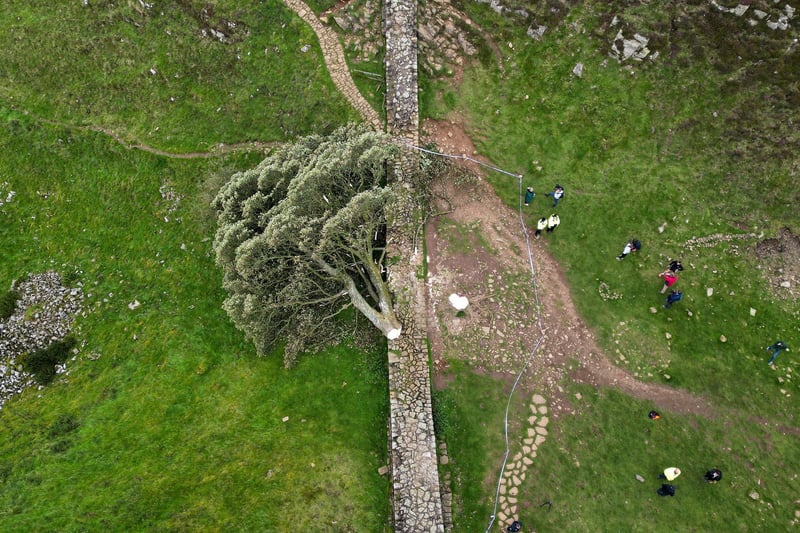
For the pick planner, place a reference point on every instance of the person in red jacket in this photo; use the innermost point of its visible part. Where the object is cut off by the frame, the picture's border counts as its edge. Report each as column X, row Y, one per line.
column 670, row 278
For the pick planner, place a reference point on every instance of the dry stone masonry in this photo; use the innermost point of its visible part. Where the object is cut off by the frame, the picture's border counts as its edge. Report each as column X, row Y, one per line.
column 415, row 476
column 402, row 106
column 516, row 469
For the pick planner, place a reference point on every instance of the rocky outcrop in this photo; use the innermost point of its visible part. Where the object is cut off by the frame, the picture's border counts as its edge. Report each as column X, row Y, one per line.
column 43, row 315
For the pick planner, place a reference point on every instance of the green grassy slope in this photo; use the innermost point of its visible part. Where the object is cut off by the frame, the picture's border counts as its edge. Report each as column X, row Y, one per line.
column 180, row 75
column 698, row 142
column 176, row 424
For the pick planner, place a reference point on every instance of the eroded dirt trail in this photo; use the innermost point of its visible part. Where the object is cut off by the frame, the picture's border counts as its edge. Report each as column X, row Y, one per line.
column 488, row 262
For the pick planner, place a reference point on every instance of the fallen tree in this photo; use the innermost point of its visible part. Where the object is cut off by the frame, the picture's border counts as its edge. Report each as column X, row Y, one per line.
column 301, row 238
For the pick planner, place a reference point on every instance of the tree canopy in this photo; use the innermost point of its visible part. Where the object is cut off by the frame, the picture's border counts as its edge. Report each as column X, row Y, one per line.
column 301, row 237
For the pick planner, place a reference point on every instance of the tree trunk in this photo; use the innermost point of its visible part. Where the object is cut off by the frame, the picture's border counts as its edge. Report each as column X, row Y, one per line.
column 383, row 319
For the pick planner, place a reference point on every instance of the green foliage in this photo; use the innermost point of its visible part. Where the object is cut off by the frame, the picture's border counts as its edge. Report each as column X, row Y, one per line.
column 8, row 303
column 300, row 238
column 42, row 363
column 180, row 424
column 442, row 406
column 71, row 278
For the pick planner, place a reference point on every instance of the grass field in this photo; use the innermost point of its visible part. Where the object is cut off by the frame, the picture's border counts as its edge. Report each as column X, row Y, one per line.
column 168, row 421
column 657, row 144
column 183, row 75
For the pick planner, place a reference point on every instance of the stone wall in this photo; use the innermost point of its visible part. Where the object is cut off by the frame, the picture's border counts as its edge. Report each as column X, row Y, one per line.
column 402, row 105
column 417, row 503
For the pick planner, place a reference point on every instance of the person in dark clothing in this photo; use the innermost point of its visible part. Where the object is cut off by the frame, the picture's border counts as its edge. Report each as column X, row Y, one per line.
column 776, row 348
column 557, row 194
column 674, row 296
column 713, row 475
column 631, row 246
column 675, row 266
column 529, row 194
column 666, row 490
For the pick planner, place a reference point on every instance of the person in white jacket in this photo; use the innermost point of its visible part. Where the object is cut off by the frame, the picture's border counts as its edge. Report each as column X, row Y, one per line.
column 541, row 225
column 553, row 222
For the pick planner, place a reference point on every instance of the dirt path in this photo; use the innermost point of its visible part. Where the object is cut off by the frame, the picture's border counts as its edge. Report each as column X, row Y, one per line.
column 490, row 265
column 217, row 150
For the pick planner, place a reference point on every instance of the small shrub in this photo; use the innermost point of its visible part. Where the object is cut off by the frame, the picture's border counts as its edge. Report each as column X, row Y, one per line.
column 64, row 424
column 42, row 363
column 31, row 311
column 60, row 446
column 442, row 405
column 71, row 278
column 8, row 303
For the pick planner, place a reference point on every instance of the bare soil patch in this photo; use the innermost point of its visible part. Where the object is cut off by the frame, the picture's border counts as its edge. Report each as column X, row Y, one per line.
column 479, row 250
column 780, row 258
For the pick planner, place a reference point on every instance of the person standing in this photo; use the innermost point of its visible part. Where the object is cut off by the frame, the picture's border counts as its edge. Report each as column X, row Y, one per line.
column 777, row 347
column 557, row 194
column 670, row 278
column 553, row 222
column 529, row 194
column 540, row 225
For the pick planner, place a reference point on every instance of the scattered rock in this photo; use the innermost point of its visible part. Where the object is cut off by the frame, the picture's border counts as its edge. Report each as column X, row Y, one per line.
column 723, row 338
column 623, row 49
column 20, row 333
column 639, row 478
column 382, row 471
column 536, row 32
column 709, row 291
column 578, row 70
column 754, row 495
